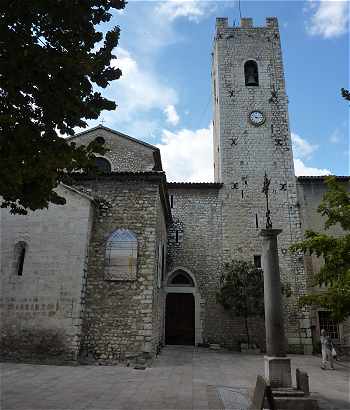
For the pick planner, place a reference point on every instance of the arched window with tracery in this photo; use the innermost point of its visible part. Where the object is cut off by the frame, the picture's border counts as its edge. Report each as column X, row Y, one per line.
column 103, row 165
column 121, row 255
column 251, row 73
column 20, row 254
column 180, row 278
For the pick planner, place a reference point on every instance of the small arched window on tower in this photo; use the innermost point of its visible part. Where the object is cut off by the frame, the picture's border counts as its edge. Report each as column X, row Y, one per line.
column 103, row 165
column 251, row 73
column 121, row 255
column 20, row 254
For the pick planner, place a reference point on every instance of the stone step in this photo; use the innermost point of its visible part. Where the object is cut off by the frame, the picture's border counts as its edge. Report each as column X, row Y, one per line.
column 296, row 403
column 287, row 392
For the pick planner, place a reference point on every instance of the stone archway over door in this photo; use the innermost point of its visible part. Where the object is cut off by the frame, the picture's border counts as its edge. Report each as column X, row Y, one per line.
column 180, row 319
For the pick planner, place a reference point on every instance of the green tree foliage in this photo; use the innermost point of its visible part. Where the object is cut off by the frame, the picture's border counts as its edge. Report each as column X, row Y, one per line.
column 242, row 291
column 335, row 251
column 52, row 63
column 345, row 93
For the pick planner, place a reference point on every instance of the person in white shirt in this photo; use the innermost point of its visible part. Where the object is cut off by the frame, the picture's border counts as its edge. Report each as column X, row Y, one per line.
column 326, row 345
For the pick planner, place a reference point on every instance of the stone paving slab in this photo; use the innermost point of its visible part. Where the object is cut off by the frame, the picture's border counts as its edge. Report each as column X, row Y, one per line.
column 235, row 397
column 182, row 378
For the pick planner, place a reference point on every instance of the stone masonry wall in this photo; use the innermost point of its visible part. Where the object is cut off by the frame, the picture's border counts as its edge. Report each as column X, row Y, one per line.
column 310, row 194
column 246, row 151
column 158, row 285
column 40, row 310
column 197, row 213
column 120, row 316
column 124, row 154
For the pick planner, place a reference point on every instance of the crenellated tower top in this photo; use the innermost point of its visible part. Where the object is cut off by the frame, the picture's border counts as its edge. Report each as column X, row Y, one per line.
column 246, row 22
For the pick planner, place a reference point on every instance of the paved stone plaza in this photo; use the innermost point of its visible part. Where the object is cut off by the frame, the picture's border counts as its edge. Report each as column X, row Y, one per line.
column 181, row 378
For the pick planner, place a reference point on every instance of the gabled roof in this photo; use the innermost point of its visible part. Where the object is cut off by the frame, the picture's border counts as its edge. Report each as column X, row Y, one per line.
column 120, row 134
column 76, row 191
column 156, row 152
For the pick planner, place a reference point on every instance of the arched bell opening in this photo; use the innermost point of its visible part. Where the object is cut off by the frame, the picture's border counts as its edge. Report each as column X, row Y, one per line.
column 251, row 73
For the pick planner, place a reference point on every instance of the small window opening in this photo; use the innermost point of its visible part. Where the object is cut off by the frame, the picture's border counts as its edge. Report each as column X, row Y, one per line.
column 171, row 201
column 257, row 261
column 19, row 257
column 100, row 140
column 103, row 165
column 242, row 193
column 181, row 278
column 21, row 261
column 163, row 262
column 256, row 221
column 177, row 236
column 251, row 73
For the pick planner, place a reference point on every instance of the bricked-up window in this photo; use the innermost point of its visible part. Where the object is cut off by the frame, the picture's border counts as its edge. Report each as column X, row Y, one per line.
column 20, row 254
column 251, row 73
column 121, row 256
column 330, row 325
column 103, row 165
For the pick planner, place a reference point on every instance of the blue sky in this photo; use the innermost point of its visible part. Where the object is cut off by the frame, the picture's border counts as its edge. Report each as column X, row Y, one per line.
column 164, row 95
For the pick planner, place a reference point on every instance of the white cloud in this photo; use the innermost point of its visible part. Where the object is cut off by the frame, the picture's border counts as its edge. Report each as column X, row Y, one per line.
column 143, row 93
column 193, row 10
column 302, row 169
column 188, row 155
column 301, row 147
column 338, row 134
column 172, row 116
column 330, row 18
column 139, row 89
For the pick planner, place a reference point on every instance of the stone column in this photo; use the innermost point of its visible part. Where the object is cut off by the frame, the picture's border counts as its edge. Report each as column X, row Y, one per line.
column 277, row 365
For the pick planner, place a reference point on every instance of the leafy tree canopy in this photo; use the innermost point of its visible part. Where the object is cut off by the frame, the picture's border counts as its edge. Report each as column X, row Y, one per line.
column 51, row 60
column 242, row 290
column 345, row 93
column 335, row 250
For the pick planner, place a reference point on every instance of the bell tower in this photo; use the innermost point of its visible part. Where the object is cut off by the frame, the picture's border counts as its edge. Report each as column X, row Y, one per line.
column 251, row 123
column 251, row 138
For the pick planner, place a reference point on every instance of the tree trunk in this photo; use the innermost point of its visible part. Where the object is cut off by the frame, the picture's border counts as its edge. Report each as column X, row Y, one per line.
column 247, row 330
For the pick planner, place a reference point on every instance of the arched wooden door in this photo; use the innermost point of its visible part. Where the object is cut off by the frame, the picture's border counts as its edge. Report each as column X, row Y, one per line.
column 180, row 319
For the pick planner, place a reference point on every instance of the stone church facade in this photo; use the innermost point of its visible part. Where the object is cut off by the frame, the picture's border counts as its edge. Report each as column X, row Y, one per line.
column 133, row 262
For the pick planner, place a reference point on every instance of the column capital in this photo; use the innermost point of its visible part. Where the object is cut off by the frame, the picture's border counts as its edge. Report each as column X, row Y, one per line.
column 270, row 233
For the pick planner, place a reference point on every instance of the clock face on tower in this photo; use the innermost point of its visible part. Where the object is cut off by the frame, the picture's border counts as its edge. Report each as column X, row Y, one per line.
column 257, row 118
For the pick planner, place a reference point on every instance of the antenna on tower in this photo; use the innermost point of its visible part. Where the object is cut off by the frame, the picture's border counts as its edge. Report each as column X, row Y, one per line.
column 233, row 12
column 239, row 8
